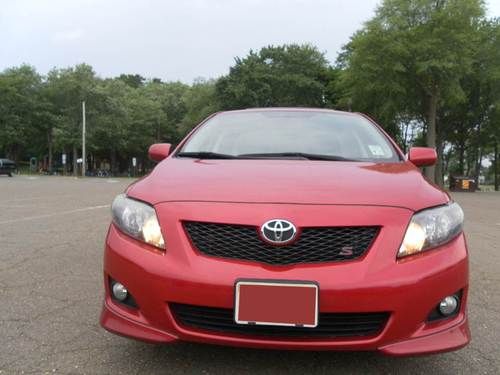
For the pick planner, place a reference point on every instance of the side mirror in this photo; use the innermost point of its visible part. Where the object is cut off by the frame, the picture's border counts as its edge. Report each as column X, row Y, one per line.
column 422, row 156
column 159, row 151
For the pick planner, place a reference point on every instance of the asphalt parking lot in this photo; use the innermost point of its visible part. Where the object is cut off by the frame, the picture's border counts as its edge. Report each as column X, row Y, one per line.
column 51, row 239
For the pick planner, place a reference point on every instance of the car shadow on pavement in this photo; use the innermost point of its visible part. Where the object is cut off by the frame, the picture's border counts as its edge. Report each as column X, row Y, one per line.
column 202, row 358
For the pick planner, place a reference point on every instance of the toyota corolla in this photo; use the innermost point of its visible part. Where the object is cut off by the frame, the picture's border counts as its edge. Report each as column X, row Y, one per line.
column 288, row 229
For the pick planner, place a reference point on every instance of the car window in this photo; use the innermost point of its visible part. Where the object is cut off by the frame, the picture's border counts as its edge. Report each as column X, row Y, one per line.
column 266, row 132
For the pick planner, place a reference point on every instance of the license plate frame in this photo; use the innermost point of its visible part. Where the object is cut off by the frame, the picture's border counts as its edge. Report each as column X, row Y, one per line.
column 312, row 287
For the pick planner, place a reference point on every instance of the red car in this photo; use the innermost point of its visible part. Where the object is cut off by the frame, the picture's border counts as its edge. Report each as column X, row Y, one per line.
column 288, row 229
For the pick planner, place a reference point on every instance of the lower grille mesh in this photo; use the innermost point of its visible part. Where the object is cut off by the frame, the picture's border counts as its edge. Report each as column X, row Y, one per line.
column 329, row 324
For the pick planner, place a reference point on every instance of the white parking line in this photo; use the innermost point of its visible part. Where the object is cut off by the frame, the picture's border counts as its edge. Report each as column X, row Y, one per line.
column 46, row 197
column 54, row 214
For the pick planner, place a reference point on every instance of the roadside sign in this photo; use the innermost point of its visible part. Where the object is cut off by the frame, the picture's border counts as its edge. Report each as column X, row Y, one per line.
column 134, row 162
column 64, row 159
column 33, row 163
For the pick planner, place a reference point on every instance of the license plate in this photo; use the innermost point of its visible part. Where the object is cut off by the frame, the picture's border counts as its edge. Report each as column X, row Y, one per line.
column 276, row 303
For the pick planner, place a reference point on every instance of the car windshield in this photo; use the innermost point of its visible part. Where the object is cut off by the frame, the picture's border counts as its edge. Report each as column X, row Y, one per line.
column 319, row 135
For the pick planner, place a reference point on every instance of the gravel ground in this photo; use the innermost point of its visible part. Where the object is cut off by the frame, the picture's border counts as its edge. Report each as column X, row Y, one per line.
column 51, row 239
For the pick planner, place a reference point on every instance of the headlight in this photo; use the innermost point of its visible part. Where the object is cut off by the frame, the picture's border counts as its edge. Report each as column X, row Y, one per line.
column 431, row 228
column 138, row 220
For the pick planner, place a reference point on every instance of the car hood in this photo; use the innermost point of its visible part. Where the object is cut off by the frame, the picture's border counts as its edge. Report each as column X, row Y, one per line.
column 288, row 181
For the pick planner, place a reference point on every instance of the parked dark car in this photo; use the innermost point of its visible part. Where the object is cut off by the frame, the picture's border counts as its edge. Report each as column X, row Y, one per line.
column 7, row 167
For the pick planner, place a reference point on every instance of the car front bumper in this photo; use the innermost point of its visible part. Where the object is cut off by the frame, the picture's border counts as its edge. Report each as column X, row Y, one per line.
column 409, row 290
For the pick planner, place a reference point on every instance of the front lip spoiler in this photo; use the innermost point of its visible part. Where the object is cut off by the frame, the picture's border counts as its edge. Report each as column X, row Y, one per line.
column 449, row 339
column 114, row 322
column 455, row 338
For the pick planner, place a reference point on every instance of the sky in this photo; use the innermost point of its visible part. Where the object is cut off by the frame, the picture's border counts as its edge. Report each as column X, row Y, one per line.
column 171, row 39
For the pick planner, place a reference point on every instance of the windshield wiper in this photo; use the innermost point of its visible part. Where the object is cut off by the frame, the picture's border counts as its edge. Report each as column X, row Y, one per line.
column 270, row 155
column 302, row 155
column 205, row 155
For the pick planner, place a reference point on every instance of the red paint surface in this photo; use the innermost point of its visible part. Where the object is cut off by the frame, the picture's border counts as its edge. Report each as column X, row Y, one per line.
column 277, row 304
column 307, row 193
column 159, row 151
column 422, row 156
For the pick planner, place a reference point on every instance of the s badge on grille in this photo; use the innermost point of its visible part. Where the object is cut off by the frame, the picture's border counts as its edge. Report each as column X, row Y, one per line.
column 278, row 231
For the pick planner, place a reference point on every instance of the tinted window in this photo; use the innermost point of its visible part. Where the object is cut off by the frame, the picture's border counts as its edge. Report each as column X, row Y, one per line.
column 321, row 133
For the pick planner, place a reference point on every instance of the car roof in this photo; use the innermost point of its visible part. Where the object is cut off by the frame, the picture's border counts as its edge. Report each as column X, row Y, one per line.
column 290, row 109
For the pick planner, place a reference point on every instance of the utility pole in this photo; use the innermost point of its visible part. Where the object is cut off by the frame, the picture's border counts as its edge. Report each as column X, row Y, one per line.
column 495, row 167
column 83, row 139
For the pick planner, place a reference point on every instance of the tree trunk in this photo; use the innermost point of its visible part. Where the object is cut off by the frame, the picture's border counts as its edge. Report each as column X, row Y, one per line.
column 479, row 162
column 405, row 136
column 113, row 161
column 478, row 155
column 438, row 179
column 66, row 163
column 461, row 157
column 13, row 152
column 49, row 143
column 75, row 164
column 158, row 131
column 468, row 166
column 495, row 167
column 430, row 172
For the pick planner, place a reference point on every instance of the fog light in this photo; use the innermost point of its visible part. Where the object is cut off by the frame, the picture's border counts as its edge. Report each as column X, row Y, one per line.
column 448, row 306
column 120, row 292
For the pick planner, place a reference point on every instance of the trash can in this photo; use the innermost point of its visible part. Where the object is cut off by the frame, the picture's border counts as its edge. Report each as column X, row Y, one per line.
column 463, row 183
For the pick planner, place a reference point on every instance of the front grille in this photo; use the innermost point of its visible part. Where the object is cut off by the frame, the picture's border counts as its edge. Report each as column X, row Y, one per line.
column 315, row 245
column 330, row 325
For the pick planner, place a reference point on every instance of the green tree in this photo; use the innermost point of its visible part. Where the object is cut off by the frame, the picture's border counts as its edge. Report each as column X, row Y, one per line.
column 411, row 58
column 67, row 89
column 133, row 80
column 200, row 101
column 289, row 75
column 19, row 90
column 108, row 133
column 170, row 107
column 471, row 126
column 491, row 48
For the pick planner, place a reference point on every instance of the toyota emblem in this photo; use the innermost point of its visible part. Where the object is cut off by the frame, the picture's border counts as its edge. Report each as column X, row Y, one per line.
column 278, row 231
